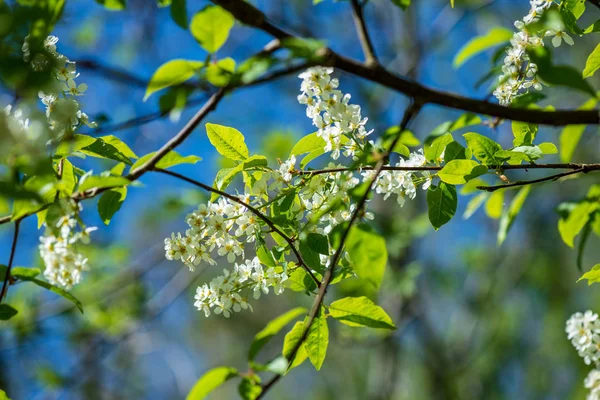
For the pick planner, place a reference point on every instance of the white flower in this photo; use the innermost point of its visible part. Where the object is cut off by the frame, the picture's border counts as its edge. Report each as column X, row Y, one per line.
column 287, row 169
column 559, row 36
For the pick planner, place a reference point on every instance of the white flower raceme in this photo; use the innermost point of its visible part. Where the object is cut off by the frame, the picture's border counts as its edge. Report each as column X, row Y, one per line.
column 227, row 293
column 58, row 249
column 583, row 330
column 63, row 112
column 519, row 73
column 592, row 382
column 339, row 123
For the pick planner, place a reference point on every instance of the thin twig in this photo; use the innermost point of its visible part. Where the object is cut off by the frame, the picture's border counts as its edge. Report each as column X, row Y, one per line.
column 410, row 113
column 254, row 210
column 248, row 14
column 363, row 33
column 10, row 260
column 533, row 181
column 587, row 167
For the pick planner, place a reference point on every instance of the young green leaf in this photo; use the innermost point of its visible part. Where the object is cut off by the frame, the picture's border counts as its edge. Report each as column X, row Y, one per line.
column 509, row 215
column 229, row 142
column 55, row 289
column 102, row 182
column 172, row 73
column 220, row 73
column 483, row 147
column 495, row 204
column 457, row 172
column 113, row 5
column 171, row 159
column 474, row 204
column 317, row 340
column 368, row 254
column 593, row 63
column 25, row 273
column 524, row 133
column 592, row 276
column 110, row 202
column 249, row 387
column 441, row 203
column 272, row 329
column 290, row 342
column 211, row 26
column 7, row 312
column 494, row 37
column 571, row 134
column 570, row 227
column 360, row 311
column 210, row 381
column 434, row 151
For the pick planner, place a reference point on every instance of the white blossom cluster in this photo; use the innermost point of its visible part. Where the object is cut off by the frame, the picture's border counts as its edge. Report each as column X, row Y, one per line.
column 224, row 293
column 339, row 123
column 58, row 249
column 518, row 72
column 320, row 203
column 20, row 134
column 224, row 227
column 62, row 110
column 583, row 330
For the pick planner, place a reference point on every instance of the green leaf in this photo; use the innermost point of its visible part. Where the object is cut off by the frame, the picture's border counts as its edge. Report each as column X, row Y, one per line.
column 548, row 148
column 119, row 145
column 474, row 204
column 102, row 149
column 508, row 217
column 494, row 37
column 273, row 329
column 25, row 273
column 570, row 227
column 592, row 276
column 454, row 151
column 318, row 243
column 441, row 202
column 317, row 340
column 303, row 48
column 495, row 204
column 249, row 388
column 220, row 73
column 170, row 159
column 593, row 63
column 467, row 119
column 571, row 134
column 179, row 13
column 113, row 5
column 7, row 312
column 290, row 342
column 211, row 26
column 524, row 133
column 457, row 172
column 360, row 311
column 368, row 254
column 511, row 157
column 67, row 180
column 110, row 202
column 59, row 291
column 3, row 395
column 483, row 148
column 403, row 4
column 172, row 73
column 434, row 151
column 226, row 175
column 558, row 75
column 229, row 142
column 310, row 143
column 595, row 27
column 210, row 381
column 102, row 182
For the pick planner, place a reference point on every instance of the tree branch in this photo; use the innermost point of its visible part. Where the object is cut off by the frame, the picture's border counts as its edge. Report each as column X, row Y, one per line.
column 410, row 113
column 250, row 15
column 533, row 181
column 10, row 260
column 254, row 210
column 363, row 33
